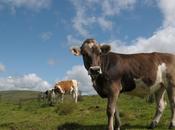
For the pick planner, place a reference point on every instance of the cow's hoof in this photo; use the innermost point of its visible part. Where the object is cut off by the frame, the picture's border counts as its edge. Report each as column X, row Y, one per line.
column 171, row 126
column 152, row 125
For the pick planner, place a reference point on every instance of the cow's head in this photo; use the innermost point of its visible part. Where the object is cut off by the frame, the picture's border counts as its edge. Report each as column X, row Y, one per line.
column 91, row 53
column 58, row 89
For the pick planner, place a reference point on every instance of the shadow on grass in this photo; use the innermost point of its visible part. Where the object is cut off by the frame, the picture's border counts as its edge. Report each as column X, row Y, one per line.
column 134, row 127
column 76, row 126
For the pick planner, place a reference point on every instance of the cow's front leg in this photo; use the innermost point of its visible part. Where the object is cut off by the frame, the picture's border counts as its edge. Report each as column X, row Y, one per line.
column 117, row 119
column 111, row 112
column 62, row 97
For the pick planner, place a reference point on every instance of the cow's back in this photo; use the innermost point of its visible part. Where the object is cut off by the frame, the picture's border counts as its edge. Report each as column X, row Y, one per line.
column 67, row 84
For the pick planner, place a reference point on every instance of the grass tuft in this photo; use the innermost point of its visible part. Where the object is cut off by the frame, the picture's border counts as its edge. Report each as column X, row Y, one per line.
column 66, row 108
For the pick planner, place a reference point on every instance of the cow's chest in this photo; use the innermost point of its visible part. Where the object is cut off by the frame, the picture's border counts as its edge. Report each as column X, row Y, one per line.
column 101, row 86
column 143, row 88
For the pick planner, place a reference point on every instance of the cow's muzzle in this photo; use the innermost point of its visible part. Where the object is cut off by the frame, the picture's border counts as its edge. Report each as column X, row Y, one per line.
column 95, row 70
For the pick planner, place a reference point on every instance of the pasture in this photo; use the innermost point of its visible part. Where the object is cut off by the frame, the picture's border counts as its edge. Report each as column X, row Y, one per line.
column 21, row 110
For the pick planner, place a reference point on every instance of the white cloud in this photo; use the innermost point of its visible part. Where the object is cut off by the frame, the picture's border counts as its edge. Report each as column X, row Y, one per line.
column 162, row 41
column 81, row 21
column 168, row 9
column 2, row 68
column 85, row 17
column 45, row 36
column 79, row 73
column 29, row 4
column 26, row 82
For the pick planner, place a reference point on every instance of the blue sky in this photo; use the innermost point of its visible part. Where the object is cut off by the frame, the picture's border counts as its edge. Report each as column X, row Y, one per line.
column 35, row 36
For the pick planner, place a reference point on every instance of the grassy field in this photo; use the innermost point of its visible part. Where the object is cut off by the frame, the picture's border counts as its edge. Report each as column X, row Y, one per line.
column 21, row 110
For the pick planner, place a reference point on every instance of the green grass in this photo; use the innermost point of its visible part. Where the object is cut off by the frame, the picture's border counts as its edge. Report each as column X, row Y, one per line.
column 22, row 111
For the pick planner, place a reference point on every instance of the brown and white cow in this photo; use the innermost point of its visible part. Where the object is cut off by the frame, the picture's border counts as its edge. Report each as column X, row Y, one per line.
column 67, row 87
column 114, row 73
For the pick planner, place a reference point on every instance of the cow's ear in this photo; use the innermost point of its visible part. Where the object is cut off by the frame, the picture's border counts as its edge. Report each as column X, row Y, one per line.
column 105, row 48
column 76, row 51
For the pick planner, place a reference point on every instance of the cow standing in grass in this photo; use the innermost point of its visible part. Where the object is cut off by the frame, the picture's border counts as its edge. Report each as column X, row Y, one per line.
column 50, row 96
column 114, row 73
column 67, row 87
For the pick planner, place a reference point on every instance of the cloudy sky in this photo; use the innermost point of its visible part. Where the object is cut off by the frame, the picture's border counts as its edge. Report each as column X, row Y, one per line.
column 35, row 36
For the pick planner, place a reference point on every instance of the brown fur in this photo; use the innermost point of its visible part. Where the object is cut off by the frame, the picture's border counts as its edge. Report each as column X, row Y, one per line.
column 65, row 85
column 119, row 73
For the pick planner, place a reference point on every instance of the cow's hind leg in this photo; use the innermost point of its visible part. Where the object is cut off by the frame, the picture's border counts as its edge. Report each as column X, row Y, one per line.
column 160, row 106
column 171, row 96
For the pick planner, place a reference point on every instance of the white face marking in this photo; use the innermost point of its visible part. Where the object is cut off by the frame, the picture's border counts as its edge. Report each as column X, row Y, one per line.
column 142, row 89
column 62, row 91
column 91, row 45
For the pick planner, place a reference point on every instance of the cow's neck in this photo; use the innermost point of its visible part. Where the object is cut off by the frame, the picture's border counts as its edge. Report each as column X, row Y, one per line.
column 100, row 84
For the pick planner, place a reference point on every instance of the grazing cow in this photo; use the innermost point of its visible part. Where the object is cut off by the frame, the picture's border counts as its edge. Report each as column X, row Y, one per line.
column 113, row 73
column 50, row 96
column 67, row 87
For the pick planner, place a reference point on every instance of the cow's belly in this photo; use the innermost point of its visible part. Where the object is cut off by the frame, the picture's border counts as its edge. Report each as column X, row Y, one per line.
column 142, row 90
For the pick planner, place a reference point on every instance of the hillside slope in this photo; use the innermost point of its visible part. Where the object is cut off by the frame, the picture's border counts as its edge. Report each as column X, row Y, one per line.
column 16, row 95
column 87, row 114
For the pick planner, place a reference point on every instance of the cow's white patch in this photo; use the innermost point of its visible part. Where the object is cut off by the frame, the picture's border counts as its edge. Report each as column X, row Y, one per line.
column 143, row 90
column 91, row 45
column 75, row 83
column 161, row 73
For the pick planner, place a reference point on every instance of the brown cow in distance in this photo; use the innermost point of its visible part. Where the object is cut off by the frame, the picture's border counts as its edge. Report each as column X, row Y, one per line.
column 113, row 73
column 67, row 87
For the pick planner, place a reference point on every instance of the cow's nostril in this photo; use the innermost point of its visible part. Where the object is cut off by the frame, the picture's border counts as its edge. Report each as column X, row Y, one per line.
column 95, row 70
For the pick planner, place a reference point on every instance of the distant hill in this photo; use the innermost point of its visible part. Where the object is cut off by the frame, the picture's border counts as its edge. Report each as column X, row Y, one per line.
column 16, row 95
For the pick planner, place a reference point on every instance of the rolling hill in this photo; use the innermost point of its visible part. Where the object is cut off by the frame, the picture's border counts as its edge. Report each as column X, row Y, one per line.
column 20, row 110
